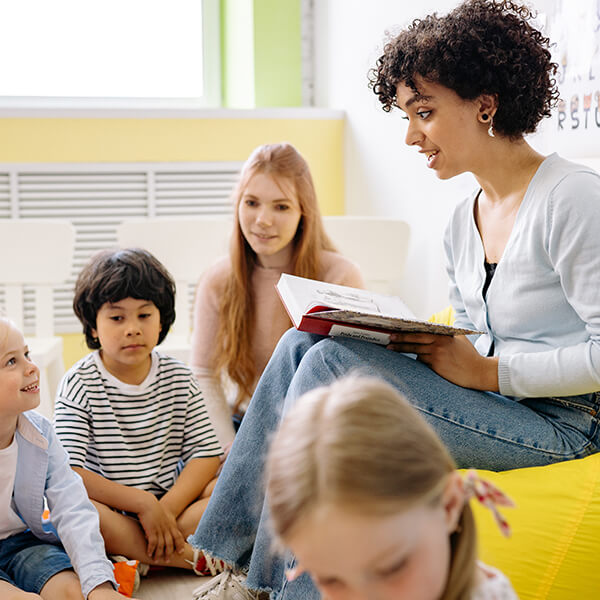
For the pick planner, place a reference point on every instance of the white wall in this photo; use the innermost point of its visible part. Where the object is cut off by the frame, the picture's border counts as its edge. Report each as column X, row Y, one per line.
column 383, row 176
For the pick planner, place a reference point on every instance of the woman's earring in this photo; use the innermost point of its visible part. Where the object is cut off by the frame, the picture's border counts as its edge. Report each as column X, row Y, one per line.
column 485, row 117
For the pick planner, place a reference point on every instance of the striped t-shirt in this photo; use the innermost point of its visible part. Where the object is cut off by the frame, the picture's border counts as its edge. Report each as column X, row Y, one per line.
column 135, row 435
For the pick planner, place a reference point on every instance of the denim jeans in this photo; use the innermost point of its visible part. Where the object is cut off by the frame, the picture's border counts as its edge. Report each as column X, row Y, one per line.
column 28, row 563
column 481, row 429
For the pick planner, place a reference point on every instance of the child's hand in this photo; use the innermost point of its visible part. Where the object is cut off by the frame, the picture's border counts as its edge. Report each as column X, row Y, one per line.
column 105, row 591
column 161, row 530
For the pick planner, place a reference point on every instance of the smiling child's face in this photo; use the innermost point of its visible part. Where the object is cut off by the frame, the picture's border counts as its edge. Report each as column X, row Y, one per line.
column 19, row 377
column 128, row 331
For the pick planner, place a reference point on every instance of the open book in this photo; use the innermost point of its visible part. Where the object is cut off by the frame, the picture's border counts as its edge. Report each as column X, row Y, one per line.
column 330, row 309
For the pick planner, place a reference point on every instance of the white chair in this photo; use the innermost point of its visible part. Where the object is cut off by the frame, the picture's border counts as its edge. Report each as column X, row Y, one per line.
column 37, row 253
column 187, row 247
column 377, row 245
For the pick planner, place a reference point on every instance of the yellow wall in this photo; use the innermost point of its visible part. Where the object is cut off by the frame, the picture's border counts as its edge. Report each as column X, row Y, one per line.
column 74, row 348
column 320, row 140
column 174, row 140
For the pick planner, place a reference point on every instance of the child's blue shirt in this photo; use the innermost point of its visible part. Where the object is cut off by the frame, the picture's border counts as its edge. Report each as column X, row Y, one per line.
column 43, row 471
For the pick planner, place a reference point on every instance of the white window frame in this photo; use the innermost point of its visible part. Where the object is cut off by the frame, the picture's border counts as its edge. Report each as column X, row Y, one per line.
column 211, row 42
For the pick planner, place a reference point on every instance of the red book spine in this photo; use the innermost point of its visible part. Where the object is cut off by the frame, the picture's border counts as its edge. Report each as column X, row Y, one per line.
column 312, row 325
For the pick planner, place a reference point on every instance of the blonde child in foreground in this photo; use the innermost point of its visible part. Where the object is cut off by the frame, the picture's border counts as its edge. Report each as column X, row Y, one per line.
column 63, row 559
column 367, row 498
column 132, row 419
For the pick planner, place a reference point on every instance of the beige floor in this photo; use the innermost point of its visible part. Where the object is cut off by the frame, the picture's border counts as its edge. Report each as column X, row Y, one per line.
column 171, row 584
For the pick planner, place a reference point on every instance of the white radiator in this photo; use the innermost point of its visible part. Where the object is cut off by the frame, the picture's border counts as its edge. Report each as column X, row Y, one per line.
column 96, row 197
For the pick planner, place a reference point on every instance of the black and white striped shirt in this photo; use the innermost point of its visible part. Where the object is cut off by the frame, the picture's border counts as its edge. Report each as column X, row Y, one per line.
column 135, row 435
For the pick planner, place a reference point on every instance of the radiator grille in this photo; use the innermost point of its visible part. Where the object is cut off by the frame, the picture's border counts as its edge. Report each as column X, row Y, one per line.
column 97, row 197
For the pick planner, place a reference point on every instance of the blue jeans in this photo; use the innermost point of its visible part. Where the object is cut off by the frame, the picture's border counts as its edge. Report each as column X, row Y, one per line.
column 481, row 429
column 28, row 562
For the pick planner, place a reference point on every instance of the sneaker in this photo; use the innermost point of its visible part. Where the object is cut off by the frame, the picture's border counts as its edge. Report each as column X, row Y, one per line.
column 204, row 565
column 127, row 573
column 142, row 568
column 225, row 586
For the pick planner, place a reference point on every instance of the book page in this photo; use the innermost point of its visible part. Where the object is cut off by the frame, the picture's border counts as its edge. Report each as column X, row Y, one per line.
column 307, row 294
column 346, row 298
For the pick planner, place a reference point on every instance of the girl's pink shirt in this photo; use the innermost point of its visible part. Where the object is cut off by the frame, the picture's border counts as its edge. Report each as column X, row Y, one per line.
column 270, row 317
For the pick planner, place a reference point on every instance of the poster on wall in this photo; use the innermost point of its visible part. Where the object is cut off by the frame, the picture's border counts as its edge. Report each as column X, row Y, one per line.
column 574, row 30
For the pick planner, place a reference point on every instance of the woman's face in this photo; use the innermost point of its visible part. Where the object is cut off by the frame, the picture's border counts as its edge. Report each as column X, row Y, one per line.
column 354, row 555
column 444, row 127
column 269, row 219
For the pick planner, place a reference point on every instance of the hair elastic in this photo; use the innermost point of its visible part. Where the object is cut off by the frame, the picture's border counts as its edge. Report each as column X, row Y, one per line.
column 489, row 496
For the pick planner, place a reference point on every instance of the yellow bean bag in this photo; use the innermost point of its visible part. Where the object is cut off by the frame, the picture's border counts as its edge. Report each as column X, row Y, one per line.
column 554, row 550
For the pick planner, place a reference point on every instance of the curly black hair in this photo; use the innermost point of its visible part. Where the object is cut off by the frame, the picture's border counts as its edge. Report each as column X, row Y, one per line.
column 111, row 276
column 481, row 47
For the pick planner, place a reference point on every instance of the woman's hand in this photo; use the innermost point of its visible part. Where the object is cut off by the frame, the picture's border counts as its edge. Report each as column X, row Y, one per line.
column 452, row 357
column 160, row 528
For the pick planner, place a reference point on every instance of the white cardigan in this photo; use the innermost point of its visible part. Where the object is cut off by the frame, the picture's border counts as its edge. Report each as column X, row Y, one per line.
column 542, row 310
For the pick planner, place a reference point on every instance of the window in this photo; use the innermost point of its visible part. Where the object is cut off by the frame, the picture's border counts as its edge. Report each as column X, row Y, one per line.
column 110, row 53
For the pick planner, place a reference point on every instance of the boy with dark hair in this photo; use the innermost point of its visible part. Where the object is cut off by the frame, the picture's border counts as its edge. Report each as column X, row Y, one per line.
column 133, row 420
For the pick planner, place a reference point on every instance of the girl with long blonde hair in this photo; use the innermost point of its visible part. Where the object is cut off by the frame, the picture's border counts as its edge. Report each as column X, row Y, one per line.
column 238, row 317
column 367, row 497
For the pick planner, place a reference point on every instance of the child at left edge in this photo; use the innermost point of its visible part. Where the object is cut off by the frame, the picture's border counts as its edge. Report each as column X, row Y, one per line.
column 132, row 419
column 57, row 559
